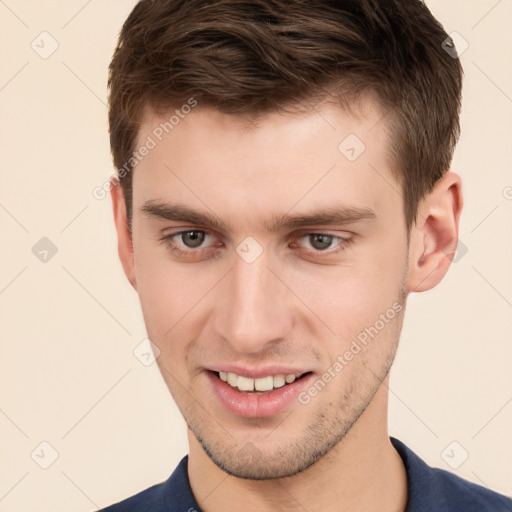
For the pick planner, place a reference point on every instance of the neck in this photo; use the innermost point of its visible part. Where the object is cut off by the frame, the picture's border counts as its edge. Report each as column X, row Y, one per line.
column 362, row 472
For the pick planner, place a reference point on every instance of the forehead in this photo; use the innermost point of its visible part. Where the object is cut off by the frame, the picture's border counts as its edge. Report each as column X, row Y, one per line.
column 252, row 171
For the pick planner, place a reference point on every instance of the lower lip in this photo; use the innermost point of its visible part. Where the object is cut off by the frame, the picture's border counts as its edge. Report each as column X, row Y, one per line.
column 249, row 405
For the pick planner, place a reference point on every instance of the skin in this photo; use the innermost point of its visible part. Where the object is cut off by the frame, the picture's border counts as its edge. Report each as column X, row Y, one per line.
column 295, row 304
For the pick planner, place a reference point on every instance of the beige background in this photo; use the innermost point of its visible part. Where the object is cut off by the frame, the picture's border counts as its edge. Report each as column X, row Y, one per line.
column 68, row 375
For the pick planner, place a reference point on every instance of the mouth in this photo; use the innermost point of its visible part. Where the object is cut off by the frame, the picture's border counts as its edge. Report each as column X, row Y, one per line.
column 258, row 397
column 260, row 385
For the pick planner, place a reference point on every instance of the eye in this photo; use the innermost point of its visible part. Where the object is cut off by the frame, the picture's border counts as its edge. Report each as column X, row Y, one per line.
column 186, row 241
column 192, row 239
column 193, row 243
column 321, row 242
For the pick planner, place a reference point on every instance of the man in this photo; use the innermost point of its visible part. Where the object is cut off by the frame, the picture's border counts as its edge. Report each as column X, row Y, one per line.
column 284, row 185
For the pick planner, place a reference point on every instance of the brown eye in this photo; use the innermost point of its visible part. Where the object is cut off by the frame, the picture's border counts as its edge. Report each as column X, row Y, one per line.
column 192, row 239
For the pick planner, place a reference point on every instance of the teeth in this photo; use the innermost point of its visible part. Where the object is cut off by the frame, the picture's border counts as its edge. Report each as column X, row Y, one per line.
column 232, row 379
column 279, row 381
column 261, row 384
column 264, row 384
column 245, row 383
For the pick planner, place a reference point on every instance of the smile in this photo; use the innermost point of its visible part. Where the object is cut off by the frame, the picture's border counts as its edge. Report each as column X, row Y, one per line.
column 249, row 384
column 257, row 397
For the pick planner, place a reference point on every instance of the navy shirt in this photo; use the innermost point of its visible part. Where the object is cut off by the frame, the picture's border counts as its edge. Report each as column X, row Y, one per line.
column 430, row 490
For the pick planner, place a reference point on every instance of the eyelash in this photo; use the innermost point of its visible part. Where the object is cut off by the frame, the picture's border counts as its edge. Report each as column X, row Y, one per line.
column 169, row 241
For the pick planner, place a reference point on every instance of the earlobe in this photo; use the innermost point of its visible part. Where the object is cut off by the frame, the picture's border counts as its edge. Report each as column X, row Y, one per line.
column 124, row 235
column 434, row 237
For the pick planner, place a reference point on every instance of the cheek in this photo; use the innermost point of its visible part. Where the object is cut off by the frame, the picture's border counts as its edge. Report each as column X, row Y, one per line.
column 352, row 296
column 161, row 292
column 173, row 297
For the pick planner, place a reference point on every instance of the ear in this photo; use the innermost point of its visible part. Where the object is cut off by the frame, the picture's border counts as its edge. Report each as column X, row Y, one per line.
column 434, row 236
column 124, row 235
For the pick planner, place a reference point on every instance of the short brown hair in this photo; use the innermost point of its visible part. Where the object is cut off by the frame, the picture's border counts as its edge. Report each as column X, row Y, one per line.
column 253, row 57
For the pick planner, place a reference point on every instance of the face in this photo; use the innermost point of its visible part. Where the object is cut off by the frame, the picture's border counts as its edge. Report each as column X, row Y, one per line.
column 262, row 253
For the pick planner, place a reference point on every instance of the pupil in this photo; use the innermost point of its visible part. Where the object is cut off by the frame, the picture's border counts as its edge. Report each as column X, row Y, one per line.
column 193, row 238
column 324, row 241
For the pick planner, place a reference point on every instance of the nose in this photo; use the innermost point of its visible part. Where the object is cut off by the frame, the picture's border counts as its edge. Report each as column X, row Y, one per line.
column 254, row 308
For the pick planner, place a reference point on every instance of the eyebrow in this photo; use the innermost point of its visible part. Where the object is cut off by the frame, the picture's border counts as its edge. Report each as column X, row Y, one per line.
column 326, row 216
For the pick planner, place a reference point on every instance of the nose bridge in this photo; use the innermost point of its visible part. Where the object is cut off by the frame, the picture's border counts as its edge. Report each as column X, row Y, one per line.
column 254, row 309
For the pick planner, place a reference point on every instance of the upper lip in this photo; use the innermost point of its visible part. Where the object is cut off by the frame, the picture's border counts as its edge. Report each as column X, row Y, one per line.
column 260, row 371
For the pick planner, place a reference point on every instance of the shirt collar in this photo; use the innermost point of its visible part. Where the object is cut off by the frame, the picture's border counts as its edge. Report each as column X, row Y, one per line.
column 423, row 485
